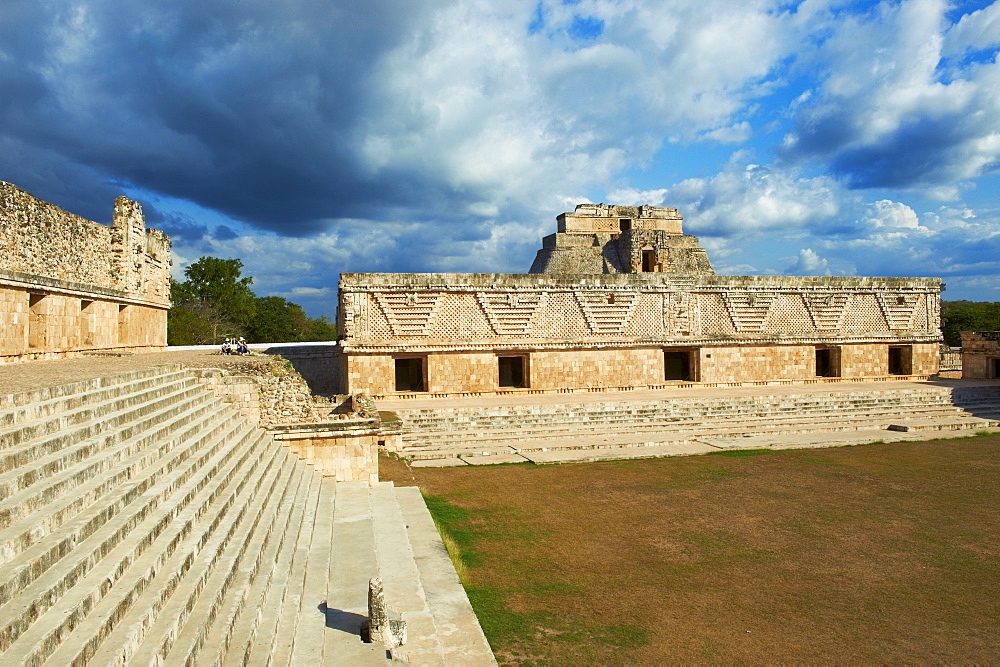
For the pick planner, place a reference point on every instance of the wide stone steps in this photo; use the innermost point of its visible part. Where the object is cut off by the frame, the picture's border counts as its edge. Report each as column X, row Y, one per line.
column 445, row 418
column 451, row 432
column 143, row 521
column 736, row 421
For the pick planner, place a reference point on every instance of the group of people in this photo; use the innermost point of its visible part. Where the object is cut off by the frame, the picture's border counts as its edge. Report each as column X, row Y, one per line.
column 235, row 346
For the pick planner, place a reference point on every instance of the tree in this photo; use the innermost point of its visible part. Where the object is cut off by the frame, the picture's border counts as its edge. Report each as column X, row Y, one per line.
column 277, row 320
column 958, row 316
column 219, row 282
column 216, row 302
column 320, row 329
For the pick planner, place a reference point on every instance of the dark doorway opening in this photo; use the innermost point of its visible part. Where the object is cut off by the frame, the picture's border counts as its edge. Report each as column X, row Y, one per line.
column 899, row 360
column 827, row 363
column 511, row 371
column 996, row 368
column 37, row 324
column 677, row 365
column 648, row 261
column 624, row 225
column 123, row 328
column 410, row 374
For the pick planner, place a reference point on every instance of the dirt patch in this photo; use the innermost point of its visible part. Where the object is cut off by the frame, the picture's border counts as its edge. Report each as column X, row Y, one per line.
column 854, row 554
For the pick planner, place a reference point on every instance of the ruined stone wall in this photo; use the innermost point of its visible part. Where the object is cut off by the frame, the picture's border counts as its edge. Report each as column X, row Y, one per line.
column 69, row 285
column 316, row 363
column 980, row 352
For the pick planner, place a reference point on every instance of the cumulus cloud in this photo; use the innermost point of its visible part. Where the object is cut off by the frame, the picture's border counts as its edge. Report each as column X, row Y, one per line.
column 752, row 198
column 808, row 263
column 890, row 112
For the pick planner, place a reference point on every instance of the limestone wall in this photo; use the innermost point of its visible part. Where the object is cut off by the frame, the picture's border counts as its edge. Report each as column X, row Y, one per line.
column 70, row 285
column 317, row 363
column 480, row 311
column 980, row 355
column 614, row 330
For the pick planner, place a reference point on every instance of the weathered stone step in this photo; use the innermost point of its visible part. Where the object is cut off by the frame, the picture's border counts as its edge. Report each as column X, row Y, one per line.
column 446, row 598
column 446, row 421
column 103, row 496
column 276, row 648
column 40, row 437
column 122, row 398
column 416, row 438
column 307, row 641
column 175, row 630
column 108, row 538
column 251, row 608
column 352, row 564
column 146, row 580
column 29, row 487
column 403, row 589
column 971, row 423
column 597, row 439
column 45, row 399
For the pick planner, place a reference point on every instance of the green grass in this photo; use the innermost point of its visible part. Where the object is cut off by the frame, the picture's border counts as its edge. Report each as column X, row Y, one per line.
column 881, row 553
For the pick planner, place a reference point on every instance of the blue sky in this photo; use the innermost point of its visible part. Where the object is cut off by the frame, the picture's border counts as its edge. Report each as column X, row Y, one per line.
column 311, row 137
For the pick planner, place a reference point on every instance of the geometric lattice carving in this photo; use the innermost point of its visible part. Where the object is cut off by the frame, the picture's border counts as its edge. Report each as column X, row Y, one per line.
column 606, row 312
column 510, row 312
column 898, row 309
column 826, row 310
column 748, row 310
column 409, row 313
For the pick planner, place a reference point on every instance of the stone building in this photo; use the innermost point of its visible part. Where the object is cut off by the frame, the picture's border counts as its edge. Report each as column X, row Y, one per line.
column 980, row 355
column 620, row 297
column 70, row 285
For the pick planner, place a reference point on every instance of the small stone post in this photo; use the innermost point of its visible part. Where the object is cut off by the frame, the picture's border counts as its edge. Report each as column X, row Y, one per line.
column 380, row 628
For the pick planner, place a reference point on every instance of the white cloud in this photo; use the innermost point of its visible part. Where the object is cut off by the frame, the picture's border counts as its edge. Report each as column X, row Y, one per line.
column 885, row 213
column 808, row 263
column 754, row 199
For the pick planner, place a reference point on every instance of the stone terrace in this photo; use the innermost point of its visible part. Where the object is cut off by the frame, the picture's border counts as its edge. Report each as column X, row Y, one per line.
column 552, row 428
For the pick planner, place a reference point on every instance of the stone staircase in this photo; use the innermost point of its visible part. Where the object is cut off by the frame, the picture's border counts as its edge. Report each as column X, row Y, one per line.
column 143, row 521
column 626, row 427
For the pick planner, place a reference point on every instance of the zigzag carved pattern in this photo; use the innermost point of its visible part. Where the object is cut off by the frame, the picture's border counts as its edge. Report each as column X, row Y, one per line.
column 826, row 310
column 511, row 312
column 409, row 314
column 606, row 312
column 748, row 310
column 898, row 309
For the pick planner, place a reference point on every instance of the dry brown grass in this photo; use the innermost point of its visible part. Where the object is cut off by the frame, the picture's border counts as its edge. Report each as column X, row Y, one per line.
column 856, row 554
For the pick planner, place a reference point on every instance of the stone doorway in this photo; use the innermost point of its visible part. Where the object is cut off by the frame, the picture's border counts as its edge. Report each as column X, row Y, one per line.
column 648, row 261
column 900, row 360
column 410, row 374
column 37, row 321
column 677, row 365
column 512, row 372
column 827, row 362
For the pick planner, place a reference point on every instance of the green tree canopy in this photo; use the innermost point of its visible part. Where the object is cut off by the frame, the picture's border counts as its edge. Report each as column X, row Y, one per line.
column 216, row 302
column 958, row 316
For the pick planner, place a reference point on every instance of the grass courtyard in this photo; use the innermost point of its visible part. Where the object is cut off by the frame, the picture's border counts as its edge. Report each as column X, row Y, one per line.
column 869, row 554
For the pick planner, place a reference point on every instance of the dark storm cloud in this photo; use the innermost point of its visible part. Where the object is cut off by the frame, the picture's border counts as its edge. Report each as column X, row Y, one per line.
column 249, row 108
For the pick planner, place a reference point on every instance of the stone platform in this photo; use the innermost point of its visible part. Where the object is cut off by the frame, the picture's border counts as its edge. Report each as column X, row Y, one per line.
column 551, row 428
